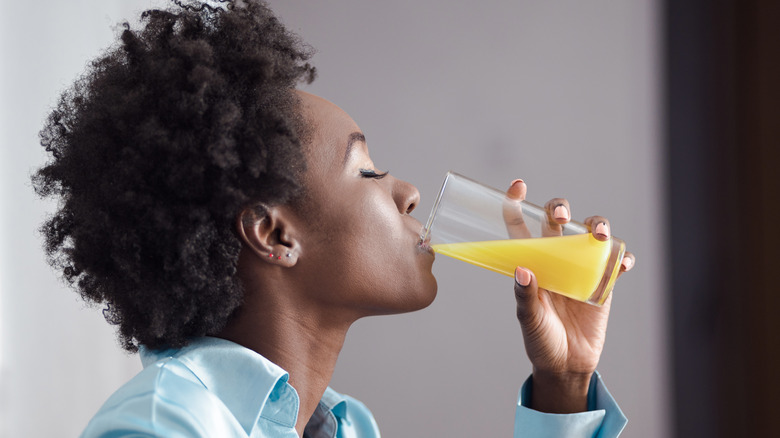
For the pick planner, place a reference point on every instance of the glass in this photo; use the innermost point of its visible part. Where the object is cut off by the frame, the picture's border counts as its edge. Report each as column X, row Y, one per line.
column 468, row 223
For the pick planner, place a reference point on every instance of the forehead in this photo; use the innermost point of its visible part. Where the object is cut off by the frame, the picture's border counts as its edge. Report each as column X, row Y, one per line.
column 331, row 128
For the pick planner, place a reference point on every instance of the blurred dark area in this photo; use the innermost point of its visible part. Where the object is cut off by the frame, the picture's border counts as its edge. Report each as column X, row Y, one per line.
column 722, row 124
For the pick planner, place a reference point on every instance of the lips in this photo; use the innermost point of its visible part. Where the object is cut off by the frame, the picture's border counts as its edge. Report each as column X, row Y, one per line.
column 425, row 245
column 422, row 242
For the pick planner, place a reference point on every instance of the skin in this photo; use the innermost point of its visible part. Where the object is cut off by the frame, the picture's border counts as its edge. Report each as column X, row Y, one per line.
column 350, row 250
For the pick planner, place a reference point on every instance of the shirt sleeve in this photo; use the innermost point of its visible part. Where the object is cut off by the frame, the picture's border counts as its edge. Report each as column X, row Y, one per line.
column 604, row 419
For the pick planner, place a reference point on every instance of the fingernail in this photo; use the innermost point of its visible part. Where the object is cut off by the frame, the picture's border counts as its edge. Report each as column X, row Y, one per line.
column 517, row 186
column 602, row 229
column 561, row 212
column 522, row 277
column 627, row 263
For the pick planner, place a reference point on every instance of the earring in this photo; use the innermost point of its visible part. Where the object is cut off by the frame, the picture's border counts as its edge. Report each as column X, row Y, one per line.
column 271, row 255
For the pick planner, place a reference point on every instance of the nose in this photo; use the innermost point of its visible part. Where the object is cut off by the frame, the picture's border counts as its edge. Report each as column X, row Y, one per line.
column 406, row 196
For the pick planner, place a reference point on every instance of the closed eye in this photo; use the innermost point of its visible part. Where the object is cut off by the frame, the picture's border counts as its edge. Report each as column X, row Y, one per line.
column 369, row 173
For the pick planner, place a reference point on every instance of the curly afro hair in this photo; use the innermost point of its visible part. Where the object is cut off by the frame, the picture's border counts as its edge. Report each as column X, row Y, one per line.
column 156, row 148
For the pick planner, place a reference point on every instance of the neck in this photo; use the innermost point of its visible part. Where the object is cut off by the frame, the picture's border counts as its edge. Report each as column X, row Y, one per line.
column 303, row 340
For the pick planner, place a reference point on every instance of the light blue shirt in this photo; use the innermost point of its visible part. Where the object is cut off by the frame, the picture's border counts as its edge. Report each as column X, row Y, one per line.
column 216, row 388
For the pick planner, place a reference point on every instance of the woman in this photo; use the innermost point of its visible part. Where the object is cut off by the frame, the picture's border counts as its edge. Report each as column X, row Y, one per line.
column 235, row 228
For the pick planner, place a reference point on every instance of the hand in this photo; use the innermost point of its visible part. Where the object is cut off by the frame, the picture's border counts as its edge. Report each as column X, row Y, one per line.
column 563, row 337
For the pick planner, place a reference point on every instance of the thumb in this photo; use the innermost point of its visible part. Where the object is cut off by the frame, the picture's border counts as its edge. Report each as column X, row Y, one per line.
column 527, row 295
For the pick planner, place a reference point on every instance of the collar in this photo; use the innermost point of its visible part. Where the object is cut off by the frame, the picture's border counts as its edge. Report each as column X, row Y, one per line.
column 323, row 422
column 247, row 383
column 334, row 402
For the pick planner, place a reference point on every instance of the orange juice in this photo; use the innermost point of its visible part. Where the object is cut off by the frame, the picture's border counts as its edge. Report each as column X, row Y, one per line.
column 574, row 265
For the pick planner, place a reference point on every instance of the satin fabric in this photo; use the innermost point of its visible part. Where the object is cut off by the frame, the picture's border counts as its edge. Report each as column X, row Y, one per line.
column 216, row 388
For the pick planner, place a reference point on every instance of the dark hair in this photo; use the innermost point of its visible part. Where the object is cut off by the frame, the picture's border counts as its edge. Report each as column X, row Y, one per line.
column 156, row 149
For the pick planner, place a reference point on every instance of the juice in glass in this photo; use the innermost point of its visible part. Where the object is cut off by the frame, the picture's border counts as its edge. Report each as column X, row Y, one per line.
column 574, row 265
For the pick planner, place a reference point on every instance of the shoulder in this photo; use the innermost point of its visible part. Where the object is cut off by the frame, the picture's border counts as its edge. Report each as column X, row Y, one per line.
column 164, row 399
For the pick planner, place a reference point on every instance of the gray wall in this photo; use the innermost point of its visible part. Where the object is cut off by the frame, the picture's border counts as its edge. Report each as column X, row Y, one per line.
column 562, row 94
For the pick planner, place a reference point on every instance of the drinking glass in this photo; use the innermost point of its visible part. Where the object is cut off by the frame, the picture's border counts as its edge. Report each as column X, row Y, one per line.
column 469, row 222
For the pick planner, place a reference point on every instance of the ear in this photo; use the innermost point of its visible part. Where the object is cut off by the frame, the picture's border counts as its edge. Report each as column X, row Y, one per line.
column 270, row 233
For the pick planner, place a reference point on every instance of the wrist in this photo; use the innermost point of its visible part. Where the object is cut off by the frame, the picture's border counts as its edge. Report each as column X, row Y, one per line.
column 560, row 392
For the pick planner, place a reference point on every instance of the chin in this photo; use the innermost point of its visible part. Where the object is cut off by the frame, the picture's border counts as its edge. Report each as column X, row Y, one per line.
column 428, row 288
column 423, row 297
column 431, row 293
column 426, row 296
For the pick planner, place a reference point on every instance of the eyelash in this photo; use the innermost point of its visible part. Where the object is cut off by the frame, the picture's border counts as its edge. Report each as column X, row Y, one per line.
column 368, row 173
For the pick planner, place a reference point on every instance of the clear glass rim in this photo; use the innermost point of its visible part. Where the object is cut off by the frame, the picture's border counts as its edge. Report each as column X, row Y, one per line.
column 604, row 289
column 426, row 231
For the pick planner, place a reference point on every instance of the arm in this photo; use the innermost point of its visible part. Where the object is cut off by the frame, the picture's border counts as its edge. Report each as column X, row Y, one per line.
column 563, row 337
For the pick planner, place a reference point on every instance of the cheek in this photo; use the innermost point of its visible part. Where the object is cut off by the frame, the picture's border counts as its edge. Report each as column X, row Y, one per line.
column 375, row 236
column 366, row 257
column 370, row 241
column 387, row 268
column 354, row 231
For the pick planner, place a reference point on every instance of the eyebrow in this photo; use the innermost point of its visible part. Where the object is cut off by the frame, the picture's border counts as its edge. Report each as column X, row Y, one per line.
column 353, row 138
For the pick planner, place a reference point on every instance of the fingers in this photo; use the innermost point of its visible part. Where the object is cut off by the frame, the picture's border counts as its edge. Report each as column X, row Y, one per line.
column 526, row 294
column 513, row 214
column 601, row 230
column 629, row 260
column 558, row 214
column 517, row 190
column 599, row 226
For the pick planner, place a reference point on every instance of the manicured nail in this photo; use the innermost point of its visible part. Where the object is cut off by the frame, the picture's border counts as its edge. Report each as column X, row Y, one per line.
column 522, row 277
column 627, row 263
column 561, row 212
column 602, row 229
column 516, row 182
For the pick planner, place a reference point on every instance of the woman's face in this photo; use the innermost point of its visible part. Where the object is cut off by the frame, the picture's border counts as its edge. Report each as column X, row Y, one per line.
column 360, row 245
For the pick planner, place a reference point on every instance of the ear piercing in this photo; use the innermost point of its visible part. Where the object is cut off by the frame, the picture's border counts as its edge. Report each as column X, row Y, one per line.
column 271, row 255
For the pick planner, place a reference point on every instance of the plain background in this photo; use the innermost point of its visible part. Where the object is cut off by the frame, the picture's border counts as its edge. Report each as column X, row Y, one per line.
column 565, row 95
